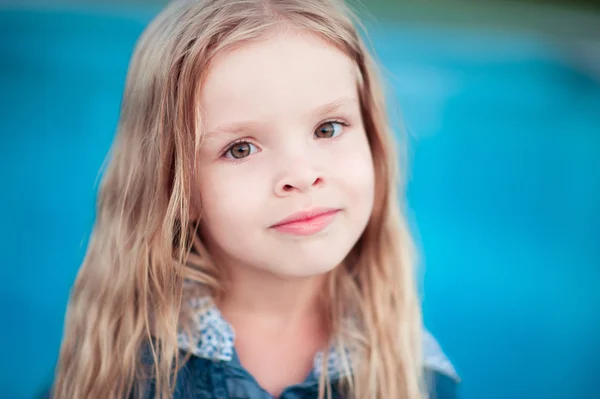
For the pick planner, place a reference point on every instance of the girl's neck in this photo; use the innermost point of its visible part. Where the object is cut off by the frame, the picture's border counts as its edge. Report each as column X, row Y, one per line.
column 279, row 324
column 272, row 302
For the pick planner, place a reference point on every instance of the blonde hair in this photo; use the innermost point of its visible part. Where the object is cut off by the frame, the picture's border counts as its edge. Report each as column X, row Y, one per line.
column 129, row 290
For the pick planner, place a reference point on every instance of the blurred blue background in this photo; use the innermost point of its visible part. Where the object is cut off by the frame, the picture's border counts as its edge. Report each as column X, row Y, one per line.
column 501, row 103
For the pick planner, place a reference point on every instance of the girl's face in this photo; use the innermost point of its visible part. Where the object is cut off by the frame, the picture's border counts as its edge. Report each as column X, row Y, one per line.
column 286, row 176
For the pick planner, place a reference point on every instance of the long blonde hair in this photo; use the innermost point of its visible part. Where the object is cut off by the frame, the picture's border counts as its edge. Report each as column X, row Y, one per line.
column 129, row 290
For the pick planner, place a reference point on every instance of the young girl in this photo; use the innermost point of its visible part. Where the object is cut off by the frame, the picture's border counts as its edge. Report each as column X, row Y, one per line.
column 248, row 241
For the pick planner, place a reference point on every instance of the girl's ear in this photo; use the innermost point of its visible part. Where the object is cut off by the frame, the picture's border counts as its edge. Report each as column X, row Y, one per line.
column 194, row 204
column 194, row 213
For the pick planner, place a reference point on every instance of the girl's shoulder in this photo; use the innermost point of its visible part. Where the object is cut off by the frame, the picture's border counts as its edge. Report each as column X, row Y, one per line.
column 441, row 386
column 434, row 358
column 440, row 375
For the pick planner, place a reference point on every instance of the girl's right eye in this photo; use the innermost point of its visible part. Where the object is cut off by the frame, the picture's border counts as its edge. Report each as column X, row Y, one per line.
column 240, row 150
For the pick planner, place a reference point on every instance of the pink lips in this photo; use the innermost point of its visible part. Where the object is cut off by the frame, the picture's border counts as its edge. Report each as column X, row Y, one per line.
column 307, row 222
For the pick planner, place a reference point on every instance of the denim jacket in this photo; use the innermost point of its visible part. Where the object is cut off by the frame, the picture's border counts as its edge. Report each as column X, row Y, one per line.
column 214, row 369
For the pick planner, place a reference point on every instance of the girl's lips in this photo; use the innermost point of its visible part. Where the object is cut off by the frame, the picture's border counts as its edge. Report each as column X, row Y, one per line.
column 307, row 222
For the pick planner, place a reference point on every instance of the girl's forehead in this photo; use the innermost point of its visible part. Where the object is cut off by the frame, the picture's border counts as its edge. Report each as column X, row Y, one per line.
column 288, row 71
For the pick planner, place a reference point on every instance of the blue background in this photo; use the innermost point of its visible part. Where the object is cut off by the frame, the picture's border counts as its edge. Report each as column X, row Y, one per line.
column 504, row 191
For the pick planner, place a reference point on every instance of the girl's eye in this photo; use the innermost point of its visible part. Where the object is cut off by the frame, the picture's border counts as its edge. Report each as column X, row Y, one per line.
column 329, row 130
column 240, row 150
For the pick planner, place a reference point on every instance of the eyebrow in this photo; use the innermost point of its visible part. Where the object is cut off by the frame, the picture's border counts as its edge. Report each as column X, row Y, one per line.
column 320, row 111
column 326, row 109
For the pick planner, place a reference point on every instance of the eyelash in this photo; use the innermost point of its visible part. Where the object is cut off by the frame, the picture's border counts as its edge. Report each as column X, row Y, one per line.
column 245, row 140
column 338, row 121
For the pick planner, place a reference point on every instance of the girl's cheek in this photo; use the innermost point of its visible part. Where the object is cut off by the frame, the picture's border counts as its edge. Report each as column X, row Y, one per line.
column 353, row 154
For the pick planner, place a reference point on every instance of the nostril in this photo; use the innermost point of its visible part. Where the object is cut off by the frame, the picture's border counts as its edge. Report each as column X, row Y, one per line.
column 287, row 187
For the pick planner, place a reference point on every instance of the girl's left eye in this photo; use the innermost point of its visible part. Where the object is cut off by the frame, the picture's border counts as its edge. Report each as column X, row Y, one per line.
column 329, row 130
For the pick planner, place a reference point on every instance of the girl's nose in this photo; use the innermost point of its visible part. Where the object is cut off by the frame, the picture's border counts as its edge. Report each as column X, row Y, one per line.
column 298, row 175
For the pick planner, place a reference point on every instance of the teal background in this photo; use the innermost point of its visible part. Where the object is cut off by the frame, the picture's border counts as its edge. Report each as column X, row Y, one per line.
column 504, row 189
